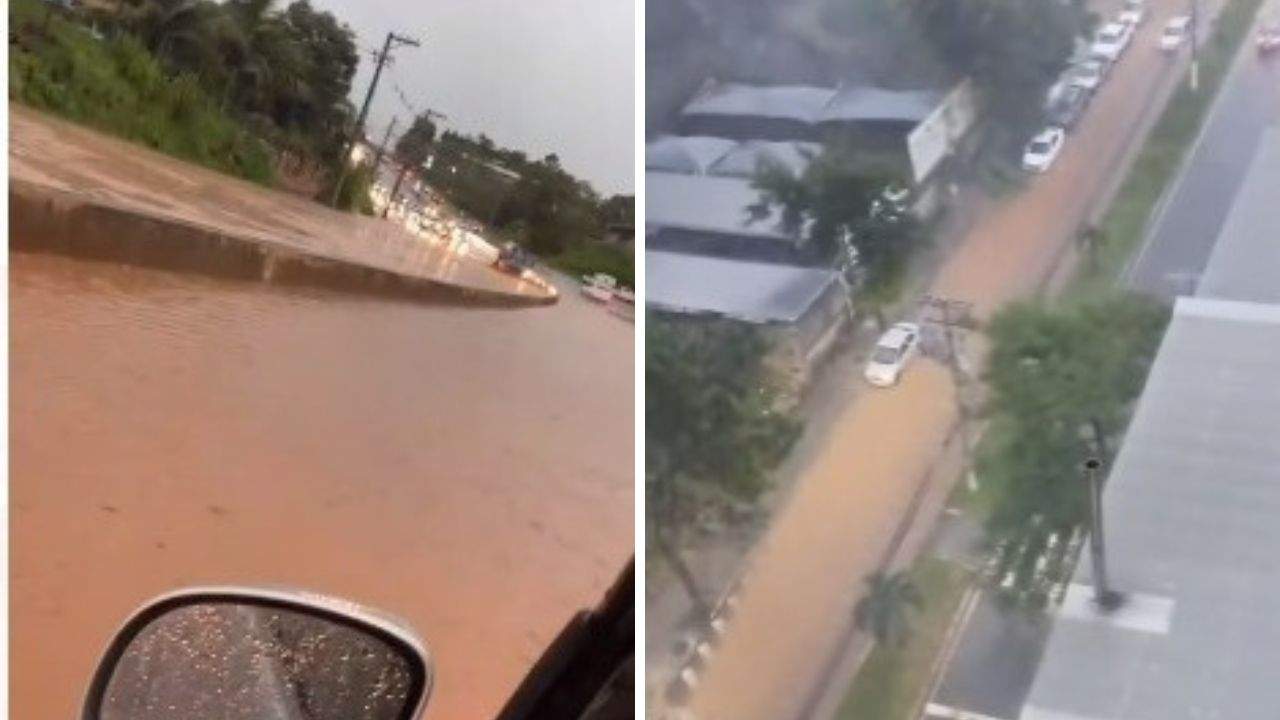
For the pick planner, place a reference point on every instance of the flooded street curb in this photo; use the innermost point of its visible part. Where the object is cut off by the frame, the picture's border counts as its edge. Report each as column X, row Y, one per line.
column 79, row 193
column 49, row 220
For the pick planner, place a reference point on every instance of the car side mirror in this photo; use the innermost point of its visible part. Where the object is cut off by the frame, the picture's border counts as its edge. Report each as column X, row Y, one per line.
column 246, row 654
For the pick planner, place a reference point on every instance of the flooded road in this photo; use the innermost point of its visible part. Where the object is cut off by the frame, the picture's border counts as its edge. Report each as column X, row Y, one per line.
column 467, row 469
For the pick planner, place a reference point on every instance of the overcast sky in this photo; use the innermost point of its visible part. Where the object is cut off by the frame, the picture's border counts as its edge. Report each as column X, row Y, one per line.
column 538, row 75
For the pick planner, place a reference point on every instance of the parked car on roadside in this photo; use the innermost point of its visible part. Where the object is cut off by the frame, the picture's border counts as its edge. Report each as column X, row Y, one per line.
column 1069, row 108
column 1111, row 41
column 894, row 350
column 1134, row 12
column 1175, row 33
column 1043, row 149
column 1089, row 74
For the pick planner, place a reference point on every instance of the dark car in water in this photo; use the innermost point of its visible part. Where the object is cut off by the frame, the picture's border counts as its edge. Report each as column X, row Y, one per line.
column 1069, row 108
column 513, row 259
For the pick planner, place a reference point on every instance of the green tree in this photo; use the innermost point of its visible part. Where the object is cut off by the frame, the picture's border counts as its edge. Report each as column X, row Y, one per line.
column 712, row 435
column 318, row 102
column 1013, row 49
column 618, row 209
column 884, row 611
column 1062, row 386
column 835, row 204
column 286, row 73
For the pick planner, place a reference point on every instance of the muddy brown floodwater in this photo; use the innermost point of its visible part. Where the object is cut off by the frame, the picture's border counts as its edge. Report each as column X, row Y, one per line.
column 467, row 469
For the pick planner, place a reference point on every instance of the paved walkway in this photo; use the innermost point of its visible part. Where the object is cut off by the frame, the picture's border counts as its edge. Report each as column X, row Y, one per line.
column 50, row 155
column 805, row 577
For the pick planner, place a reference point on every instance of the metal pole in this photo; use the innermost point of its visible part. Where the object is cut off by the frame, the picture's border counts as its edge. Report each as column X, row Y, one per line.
column 364, row 109
column 1195, row 32
column 382, row 149
column 958, row 381
column 1103, row 595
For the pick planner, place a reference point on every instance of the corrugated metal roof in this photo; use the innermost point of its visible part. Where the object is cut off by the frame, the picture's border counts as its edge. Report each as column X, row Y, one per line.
column 745, row 158
column 791, row 102
column 877, row 104
column 691, row 155
column 748, row 291
column 706, row 204
column 813, row 105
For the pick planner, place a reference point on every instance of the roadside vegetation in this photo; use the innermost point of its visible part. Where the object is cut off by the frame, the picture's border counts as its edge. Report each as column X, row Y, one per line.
column 536, row 203
column 586, row 258
column 115, row 85
column 921, row 602
column 839, row 211
column 713, row 435
column 1062, row 381
column 241, row 86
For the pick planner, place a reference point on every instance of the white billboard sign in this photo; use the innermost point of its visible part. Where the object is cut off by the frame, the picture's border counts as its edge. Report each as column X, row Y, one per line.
column 936, row 136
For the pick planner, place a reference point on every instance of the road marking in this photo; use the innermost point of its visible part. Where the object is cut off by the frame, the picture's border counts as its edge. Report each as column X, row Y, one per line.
column 1162, row 203
column 935, row 711
column 1032, row 712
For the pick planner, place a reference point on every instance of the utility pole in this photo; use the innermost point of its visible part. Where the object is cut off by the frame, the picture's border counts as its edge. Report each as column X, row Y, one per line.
column 957, row 314
column 393, row 40
column 404, row 168
column 382, row 149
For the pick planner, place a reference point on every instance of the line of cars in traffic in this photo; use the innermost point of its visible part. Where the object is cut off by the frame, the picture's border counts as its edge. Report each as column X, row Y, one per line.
column 1070, row 96
column 1066, row 104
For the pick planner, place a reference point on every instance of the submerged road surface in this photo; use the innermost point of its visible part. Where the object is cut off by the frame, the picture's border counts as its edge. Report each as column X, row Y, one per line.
column 467, row 469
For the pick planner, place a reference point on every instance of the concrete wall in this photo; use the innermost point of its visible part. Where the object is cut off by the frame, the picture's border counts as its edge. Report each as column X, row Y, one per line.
column 47, row 221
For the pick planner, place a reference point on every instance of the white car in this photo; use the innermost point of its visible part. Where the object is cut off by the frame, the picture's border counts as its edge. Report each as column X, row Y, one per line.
column 1043, row 149
column 1110, row 42
column 892, row 353
column 1089, row 74
column 1134, row 13
column 599, row 287
column 1175, row 33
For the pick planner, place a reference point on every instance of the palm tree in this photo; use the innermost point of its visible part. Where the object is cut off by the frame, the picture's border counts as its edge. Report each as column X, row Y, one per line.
column 883, row 611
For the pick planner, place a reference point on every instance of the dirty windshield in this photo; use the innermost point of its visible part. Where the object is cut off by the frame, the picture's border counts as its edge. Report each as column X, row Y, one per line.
column 997, row 525
column 223, row 661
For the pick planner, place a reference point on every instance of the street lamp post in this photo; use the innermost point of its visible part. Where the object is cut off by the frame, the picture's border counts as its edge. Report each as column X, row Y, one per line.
column 1195, row 31
column 1103, row 595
